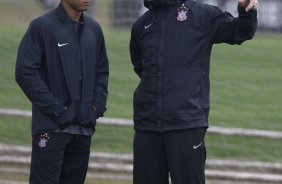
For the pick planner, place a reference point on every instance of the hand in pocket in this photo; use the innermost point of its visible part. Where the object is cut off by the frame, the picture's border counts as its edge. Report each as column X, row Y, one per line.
column 67, row 116
column 90, row 119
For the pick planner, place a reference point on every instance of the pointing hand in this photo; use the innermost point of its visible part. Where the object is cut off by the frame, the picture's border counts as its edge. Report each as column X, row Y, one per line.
column 248, row 4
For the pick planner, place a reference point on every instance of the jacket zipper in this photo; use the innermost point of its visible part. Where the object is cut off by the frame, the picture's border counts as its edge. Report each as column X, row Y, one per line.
column 80, row 58
column 160, row 69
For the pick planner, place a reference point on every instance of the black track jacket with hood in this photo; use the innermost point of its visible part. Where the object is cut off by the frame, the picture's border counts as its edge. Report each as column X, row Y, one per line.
column 45, row 75
column 172, row 59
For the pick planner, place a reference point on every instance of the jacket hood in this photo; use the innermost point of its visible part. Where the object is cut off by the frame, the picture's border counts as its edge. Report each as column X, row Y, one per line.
column 153, row 4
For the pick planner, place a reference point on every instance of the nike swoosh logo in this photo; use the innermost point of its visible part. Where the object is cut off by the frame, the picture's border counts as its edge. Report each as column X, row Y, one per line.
column 61, row 45
column 196, row 146
column 147, row 26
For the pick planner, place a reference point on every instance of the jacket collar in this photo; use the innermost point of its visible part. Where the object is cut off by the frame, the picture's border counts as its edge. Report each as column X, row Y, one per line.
column 155, row 4
column 64, row 16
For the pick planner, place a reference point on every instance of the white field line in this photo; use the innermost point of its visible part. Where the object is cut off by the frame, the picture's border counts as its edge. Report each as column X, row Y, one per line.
column 111, row 164
column 15, row 112
column 108, row 176
column 11, row 182
column 21, row 155
column 212, row 130
column 210, row 174
column 243, row 176
column 127, row 168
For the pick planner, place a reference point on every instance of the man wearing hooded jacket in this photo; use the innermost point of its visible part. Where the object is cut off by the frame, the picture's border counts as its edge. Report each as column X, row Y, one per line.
column 62, row 67
column 170, row 50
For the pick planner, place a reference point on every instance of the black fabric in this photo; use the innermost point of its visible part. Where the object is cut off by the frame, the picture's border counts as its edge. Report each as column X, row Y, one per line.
column 171, row 55
column 76, row 65
column 47, row 56
column 63, row 159
column 181, row 153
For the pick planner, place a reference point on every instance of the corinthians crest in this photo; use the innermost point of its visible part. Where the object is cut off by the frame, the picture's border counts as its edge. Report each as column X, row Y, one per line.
column 182, row 13
column 43, row 140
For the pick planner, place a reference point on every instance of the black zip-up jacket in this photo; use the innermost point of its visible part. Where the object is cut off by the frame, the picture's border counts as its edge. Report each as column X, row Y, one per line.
column 171, row 55
column 44, row 73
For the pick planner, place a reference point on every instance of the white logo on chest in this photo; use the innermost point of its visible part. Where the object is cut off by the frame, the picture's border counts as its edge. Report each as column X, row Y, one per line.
column 182, row 13
column 63, row 44
column 147, row 26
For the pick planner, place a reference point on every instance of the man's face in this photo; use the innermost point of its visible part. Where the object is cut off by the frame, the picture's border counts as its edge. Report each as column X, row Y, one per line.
column 78, row 5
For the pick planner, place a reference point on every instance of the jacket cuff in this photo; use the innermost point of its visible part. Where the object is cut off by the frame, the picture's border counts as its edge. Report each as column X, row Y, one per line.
column 99, row 109
column 242, row 12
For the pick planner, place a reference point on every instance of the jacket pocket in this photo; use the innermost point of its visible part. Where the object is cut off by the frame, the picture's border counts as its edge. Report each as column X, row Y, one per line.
column 195, row 99
column 88, row 115
column 67, row 116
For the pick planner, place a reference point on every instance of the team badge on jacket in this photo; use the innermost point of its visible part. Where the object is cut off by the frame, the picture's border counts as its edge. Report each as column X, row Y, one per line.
column 43, row 140
column 182, row 13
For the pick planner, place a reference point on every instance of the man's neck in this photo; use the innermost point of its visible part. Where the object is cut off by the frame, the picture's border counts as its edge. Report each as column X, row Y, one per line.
column 73, row 14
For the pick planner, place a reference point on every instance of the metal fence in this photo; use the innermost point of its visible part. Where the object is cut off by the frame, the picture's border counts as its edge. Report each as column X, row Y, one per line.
column 269, row 12
column 123, row 13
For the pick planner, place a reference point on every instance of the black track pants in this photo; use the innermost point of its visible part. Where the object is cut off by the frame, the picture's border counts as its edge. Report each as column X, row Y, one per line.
column 180, row 154
column 59, row 158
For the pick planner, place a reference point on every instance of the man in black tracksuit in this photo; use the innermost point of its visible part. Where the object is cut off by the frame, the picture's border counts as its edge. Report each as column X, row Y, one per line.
column 62, row 67
column 170, row 50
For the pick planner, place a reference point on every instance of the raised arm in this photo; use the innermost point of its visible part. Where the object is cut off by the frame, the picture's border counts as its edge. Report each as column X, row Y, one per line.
column 224, row 28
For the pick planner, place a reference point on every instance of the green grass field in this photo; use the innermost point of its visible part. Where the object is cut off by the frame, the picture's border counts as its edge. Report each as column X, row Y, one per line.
column 245, row 90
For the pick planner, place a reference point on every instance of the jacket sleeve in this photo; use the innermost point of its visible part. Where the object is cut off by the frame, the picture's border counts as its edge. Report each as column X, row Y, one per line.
column 28, row 69
column 224, row 28
column 135, row 52
column 101, row 80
